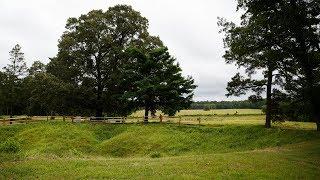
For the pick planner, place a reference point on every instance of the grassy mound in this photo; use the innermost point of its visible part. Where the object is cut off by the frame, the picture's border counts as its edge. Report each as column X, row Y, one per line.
column 154, row 140
column 162, row 151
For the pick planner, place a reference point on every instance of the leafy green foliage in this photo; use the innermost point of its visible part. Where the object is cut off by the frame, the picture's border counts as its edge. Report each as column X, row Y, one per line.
column 13, row 101
column 47, row 94
column 91, row 54
column 96, row 70
column 158, row 82
column 37, row 67
column 300, row 37
column 252, row 46
column 281, row 38
column 17, row 66
column 293, row 32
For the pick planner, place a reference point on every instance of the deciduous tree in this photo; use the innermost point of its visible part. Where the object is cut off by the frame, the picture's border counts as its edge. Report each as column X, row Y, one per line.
column 91, row 52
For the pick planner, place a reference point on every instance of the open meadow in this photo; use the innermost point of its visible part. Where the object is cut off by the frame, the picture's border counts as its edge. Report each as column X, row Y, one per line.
column 137, row 89
column 222, row 146
column 200, row 112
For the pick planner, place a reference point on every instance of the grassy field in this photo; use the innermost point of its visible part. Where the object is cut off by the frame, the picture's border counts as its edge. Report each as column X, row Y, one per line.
column 207, row 113
column 231, row 147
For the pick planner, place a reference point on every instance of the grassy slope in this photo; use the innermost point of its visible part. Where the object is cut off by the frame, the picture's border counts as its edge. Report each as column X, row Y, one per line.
column 293, row 162
column 52, row 150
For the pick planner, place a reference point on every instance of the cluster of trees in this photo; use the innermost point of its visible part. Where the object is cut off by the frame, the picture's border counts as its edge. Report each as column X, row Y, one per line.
column 245, row 104
column 107, row 64
column 280, row 38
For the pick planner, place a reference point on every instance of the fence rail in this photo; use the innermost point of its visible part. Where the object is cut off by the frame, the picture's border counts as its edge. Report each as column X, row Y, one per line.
column 110, row 120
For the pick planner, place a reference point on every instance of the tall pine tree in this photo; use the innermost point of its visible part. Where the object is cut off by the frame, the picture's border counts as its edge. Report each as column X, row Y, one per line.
column 252, row 46
column 157, row 82
column 15, row 71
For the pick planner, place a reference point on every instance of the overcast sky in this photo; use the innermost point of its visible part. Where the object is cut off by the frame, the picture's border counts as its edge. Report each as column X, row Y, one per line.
column 188, row 27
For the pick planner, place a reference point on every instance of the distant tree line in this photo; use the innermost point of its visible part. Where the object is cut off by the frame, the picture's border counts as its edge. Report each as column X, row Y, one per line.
column 107, row 64
column 245, row 104
column 281, row 39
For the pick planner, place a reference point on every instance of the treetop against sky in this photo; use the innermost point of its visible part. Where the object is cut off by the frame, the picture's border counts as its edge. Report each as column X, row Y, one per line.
column 189, row 29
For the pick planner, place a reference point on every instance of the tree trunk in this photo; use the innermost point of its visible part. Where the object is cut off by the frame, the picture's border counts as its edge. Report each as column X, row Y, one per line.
column 99, row 112
column 313, row 99
column 99, row 108
column 11, row 112
column 146, row 114
column 269, row 100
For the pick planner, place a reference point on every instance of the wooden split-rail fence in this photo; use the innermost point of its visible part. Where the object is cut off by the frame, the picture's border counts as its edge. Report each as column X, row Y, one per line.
column 16, row 120
column 108, row 120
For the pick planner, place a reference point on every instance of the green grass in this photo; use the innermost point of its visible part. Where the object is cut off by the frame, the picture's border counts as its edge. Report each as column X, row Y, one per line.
column 225, row 148
column 299, row 161
column 207, row 113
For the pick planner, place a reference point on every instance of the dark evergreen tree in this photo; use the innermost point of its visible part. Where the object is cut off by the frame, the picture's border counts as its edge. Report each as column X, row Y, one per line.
column 46, row 95
column 37, row 67
column 3, row 94
column 252, row 46
column 15, row 71
column 17, row 67
column 300, row 37
column 292, row 30
column 157, row 82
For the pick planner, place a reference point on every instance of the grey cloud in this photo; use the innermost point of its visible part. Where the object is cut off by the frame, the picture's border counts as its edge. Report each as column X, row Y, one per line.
column 187, row 27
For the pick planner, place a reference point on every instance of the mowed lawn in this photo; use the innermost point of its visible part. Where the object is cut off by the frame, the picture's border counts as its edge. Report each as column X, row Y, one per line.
column 232, row 147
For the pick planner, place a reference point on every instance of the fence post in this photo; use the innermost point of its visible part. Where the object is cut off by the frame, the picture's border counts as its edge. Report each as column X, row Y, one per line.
column 199, row 119
column 179, row 120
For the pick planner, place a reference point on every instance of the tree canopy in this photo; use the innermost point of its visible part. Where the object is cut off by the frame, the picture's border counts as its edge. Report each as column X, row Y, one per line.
column 159, row 83
column 281, row 38
column 107, row 63
column 91, row 52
